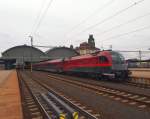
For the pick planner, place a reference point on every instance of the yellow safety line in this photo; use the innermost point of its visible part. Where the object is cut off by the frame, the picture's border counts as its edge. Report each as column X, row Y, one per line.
column 62, row 116
column 75, row 115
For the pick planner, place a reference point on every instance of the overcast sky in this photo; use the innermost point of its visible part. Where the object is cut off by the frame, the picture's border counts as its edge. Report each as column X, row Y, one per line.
column 66, row 23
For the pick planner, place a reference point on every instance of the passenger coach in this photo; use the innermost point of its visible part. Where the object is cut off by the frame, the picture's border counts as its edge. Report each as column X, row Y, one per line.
column 108, row 64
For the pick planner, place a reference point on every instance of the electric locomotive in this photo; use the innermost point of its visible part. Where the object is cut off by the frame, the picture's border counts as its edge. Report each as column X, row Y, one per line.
column 110, row 64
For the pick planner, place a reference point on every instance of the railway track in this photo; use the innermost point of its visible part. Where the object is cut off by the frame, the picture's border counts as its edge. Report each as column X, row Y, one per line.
column 131, row 83
column 55, row 105
column 140, row 85
column 135, row 82
column 139, row 100
column 30, row 103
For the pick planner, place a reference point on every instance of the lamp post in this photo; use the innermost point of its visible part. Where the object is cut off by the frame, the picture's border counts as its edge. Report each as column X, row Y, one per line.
column 140, row 56
column 31, row 39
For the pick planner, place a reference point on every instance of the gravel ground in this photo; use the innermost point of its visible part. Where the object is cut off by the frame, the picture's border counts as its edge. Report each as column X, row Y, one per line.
column 109, row 109
column 114, row 85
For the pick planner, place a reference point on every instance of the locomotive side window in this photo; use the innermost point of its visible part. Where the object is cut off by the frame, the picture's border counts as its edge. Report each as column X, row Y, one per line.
column 103, row 59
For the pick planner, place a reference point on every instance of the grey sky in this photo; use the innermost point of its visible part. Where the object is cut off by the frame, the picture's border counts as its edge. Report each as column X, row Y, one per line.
column 17, row 18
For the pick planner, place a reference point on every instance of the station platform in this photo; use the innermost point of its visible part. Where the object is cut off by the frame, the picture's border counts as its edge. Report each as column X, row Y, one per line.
column 10, row 100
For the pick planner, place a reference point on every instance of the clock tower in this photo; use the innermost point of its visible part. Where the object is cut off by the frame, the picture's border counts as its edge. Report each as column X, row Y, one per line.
column 91, row 41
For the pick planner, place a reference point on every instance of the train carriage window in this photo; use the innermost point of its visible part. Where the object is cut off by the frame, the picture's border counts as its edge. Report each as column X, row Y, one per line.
column 103, row 59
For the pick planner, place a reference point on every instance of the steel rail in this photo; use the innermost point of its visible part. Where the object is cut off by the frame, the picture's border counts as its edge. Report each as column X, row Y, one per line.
column 79, row 109
column 141, row 85
column 132, row 83
column 60, row 114
column 42, row 110
column 107, row 90
column 57, row 111
column 128, row 82
column 75, row 114
column 71, row 111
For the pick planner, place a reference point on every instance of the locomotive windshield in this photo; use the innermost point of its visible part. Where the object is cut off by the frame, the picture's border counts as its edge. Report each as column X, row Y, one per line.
column 117, row 58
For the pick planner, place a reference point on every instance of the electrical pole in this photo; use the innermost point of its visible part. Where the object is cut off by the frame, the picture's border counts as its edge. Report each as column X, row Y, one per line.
column 140, row 56
column 110, row 47
column 31, row 39
column 102, row 48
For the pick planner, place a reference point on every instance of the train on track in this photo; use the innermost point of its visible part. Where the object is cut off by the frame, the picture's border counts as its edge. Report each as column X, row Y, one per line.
column 104, row 64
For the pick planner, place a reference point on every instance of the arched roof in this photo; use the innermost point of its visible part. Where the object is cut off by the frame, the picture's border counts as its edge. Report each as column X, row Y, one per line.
column 22, row 47
column 24, row 53
column 61, row 52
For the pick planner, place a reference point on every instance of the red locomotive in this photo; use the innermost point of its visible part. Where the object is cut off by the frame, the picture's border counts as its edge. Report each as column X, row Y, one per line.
column 102, row 64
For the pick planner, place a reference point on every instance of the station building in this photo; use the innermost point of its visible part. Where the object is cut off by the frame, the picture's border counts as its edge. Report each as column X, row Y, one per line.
column 23, row 54
column 87, row 47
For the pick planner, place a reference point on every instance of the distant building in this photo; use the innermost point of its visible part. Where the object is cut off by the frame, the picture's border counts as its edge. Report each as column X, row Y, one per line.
column 87, row 47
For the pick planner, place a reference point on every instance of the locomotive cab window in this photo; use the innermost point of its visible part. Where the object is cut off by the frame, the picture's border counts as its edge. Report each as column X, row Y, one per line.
column 103, row 59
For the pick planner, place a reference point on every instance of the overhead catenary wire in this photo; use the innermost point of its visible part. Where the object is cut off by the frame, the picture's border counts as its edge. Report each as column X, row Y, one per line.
column 125, row 23
column 112, row 16
column 45, row 46
column 145, row 51
column 127, row 33
column 37, row 17
column 42, row 16
column 92, row 14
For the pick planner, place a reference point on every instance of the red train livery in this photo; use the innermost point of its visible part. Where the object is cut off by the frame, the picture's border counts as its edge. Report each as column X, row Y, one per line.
column 102, row 64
